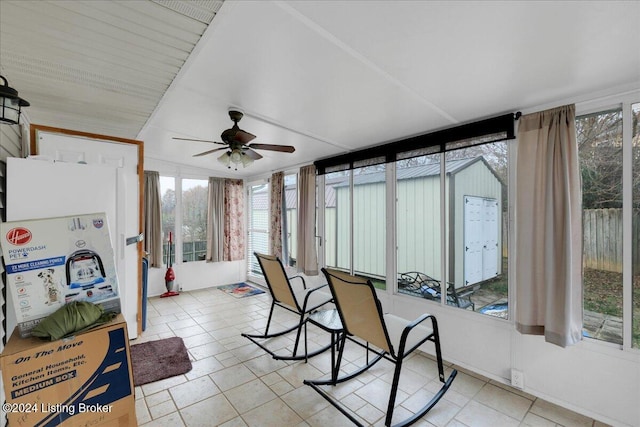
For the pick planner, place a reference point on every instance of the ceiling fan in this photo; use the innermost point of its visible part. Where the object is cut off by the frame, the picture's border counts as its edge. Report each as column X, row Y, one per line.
column 236, row 143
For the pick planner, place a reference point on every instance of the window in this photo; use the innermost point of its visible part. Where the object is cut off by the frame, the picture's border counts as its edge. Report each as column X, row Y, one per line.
column 474, row 227
column 337, row 217
column 184, row 209
column 258, row 230
column 477, row 228
column 355, row 212
column 168, row 208
column 418, row 236
column 635, row 112
column 194, row 219
column 450, row 232
column 599, row 139
column 369, row 224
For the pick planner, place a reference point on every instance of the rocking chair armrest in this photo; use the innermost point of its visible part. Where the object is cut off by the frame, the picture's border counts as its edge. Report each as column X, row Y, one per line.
column 297, row 276
column 418, row 320
column 308, row 296
column 411, row 326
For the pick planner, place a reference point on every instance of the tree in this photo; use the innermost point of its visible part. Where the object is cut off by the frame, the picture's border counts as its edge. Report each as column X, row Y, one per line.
column 599, row 138
column 168, row 212
column 194, row 214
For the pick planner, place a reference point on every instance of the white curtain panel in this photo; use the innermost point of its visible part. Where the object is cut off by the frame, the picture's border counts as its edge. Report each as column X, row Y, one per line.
column 152, row 218
column 215, row 220
column 307, row 261
column 548, row 225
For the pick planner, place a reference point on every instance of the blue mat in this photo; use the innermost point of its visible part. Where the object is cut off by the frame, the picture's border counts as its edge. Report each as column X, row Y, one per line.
column 497, row 309
column 241, row 290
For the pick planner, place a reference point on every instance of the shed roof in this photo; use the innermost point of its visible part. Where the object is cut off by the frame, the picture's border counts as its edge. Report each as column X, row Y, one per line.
column 411, row 172
column 261, row 200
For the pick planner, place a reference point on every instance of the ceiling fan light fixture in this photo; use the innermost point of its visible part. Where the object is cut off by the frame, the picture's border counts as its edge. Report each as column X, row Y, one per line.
column 10, row 104
column 225, row 159
column 246, row 160
column 236, row 156
column 238, row 149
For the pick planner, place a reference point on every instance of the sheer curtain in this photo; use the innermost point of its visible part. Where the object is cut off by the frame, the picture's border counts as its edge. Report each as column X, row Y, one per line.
column 549, row 227
column 233, row 220
column 152, row 218
column 307, row 258
column 215, row 220
column 275, row 214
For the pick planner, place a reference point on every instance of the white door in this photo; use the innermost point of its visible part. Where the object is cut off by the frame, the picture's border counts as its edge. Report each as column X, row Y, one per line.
column 472, row 240
column 481, row 221
column 124, row 158
column 490, row 221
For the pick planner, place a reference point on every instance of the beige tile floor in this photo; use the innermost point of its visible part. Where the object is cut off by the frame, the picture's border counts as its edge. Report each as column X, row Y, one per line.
column 235, row 383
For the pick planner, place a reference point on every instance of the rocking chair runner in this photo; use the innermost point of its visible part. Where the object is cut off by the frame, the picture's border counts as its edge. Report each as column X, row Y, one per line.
column 361, row 315
column 301, row 302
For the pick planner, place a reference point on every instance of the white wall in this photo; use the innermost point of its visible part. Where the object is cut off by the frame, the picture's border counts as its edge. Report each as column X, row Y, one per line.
column 195, row 274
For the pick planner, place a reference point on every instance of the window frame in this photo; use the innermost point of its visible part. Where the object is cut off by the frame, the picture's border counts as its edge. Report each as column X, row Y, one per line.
column 178, row 220
column 205, row 182
column 251, row 260
column 624, row 102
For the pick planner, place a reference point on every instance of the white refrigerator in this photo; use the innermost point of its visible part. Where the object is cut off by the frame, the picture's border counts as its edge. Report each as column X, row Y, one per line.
column 46, row 189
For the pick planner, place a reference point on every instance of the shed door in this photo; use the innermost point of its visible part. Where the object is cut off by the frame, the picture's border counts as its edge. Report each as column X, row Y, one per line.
column 473, row 240
column 490, row 239
column 480, row 239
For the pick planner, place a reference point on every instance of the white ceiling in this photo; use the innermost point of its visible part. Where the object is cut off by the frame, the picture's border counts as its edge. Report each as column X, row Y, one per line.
column 324, row 76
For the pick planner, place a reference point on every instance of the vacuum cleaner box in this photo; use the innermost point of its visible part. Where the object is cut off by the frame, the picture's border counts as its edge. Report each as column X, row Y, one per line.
column 84, row 380
column 50, row 262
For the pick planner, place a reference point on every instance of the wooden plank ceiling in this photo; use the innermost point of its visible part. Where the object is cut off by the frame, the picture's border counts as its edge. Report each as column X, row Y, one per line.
column 99, row 65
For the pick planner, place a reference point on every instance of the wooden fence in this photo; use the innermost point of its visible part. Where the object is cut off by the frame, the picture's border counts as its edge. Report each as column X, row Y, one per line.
column 603, row 239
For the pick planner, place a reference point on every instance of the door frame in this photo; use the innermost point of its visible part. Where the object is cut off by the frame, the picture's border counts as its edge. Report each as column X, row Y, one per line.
column 33, row 149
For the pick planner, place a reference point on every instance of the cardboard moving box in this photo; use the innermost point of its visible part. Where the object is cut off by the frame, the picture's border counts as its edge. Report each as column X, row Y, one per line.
column 54, row 261
column 84, row 380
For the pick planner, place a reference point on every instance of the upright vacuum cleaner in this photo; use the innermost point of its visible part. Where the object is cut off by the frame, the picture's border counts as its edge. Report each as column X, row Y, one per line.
column 170, row 276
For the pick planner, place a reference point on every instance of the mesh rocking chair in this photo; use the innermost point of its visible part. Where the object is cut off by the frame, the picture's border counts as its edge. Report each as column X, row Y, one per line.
column 394, row 339
column 301, row 302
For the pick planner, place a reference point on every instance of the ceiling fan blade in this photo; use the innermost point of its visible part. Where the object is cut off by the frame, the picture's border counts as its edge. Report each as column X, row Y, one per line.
column 209, row 152
column 243, row 137
column 281, row 148
column 199, row 140
column 253, row 155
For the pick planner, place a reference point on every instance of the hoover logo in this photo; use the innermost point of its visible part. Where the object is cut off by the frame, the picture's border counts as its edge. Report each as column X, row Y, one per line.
column 19, row 236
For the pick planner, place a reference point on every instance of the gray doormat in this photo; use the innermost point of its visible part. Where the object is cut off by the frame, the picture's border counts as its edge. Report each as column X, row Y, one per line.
column 157, row 360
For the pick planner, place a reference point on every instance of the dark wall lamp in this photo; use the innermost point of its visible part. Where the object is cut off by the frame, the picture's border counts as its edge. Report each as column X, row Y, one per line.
column 10, row 104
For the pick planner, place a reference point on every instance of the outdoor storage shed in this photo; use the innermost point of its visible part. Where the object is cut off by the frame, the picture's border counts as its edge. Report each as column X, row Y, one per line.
column 474, row 227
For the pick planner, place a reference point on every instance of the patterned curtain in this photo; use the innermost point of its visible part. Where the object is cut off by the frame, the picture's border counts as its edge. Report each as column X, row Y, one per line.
column 275, row 214
column 152, row 218
column 215, row 220
column 233, row 220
